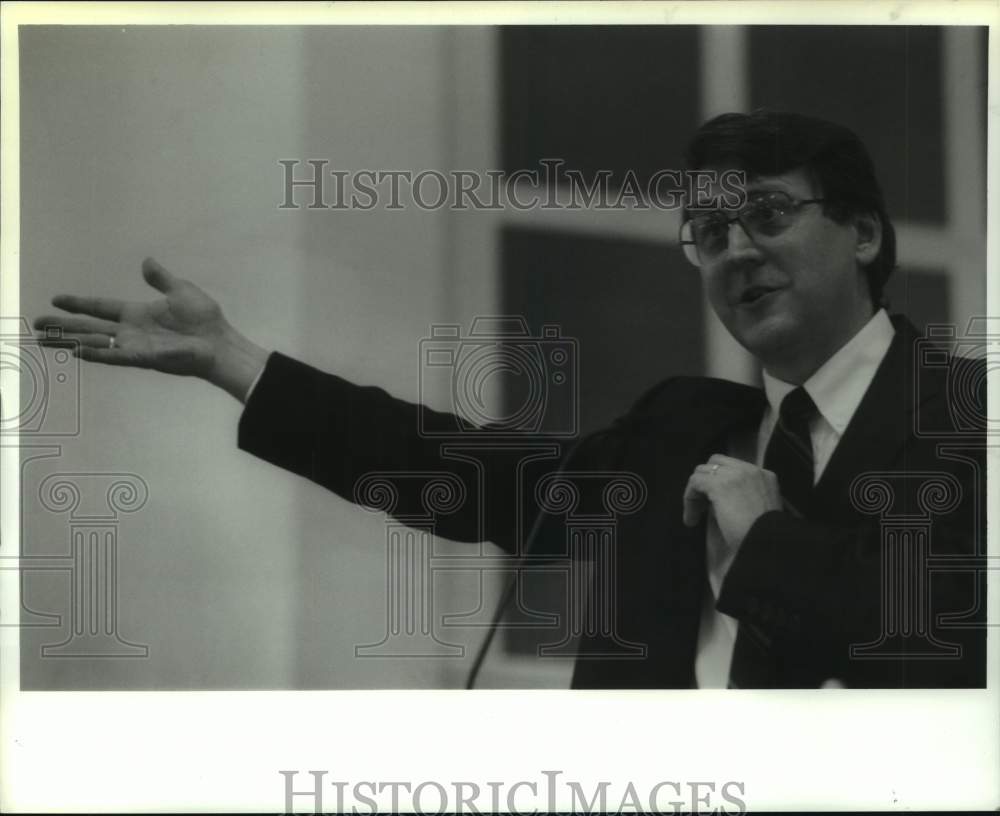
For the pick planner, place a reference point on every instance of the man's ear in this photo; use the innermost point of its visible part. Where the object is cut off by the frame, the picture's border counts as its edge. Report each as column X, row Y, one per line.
column 868, row 227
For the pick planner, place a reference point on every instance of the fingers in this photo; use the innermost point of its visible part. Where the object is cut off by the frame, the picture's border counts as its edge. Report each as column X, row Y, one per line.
column 694, row 509
column 717, row 463
column 74, row 325
column 106, row 308
column 728, row 461
column 108, row 356
column 158, row 277
column 93, row 347
column 111, row 308
column 735, row 466
column 696, row 500
column 98, row 341
column 704, row 479
column 74, row 341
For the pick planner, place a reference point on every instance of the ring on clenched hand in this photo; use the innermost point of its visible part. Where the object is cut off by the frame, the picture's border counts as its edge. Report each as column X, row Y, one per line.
column 715, row 468
column 111, row 342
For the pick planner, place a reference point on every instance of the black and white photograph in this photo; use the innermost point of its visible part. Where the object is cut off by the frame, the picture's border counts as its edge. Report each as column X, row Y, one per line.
column 501, row 369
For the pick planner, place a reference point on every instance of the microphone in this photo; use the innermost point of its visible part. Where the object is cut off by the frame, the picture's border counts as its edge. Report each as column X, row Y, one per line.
column 470, row 683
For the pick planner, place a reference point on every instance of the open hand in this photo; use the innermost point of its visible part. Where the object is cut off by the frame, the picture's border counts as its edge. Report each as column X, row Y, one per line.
column 182, row 333
column 178, row 333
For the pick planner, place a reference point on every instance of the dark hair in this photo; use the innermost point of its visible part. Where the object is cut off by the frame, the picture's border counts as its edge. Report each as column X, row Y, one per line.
column 768, row 143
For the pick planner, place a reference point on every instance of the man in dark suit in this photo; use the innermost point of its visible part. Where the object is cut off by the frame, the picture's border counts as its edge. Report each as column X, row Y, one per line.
column 800, row 535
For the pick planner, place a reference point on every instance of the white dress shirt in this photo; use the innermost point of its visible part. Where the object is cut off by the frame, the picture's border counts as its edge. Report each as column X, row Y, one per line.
column 837, row 388
column 253, row 384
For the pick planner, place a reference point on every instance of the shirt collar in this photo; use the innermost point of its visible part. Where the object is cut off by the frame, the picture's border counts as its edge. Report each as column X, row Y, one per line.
column 838, row 385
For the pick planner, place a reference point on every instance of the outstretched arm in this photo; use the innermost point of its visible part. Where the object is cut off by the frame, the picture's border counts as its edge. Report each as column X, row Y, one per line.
column 182, row 333
column 309, row 422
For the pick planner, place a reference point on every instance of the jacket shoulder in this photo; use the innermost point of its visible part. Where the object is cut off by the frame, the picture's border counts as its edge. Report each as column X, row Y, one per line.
column 687, row 396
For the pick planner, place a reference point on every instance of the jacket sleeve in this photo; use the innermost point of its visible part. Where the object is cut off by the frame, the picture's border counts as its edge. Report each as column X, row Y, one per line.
column 329, row 430
column 820, row 593
column 333, row 432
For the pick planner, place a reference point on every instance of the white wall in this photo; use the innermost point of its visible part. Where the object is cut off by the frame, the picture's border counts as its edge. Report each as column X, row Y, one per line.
column 165, row 142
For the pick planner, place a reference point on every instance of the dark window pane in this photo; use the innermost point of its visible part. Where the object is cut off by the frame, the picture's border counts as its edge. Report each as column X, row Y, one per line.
column 600, row 97
column 922, row 295
column 884, row 82
column 633, row 306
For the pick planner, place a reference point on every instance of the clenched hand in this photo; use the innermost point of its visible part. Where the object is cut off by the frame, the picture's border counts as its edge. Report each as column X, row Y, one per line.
column 737, row 492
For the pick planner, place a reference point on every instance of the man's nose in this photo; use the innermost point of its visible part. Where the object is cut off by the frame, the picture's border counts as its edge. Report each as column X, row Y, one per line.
column 739, row 244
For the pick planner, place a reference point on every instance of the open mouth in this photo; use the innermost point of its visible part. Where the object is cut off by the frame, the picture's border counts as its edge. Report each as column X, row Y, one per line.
column 753, row 294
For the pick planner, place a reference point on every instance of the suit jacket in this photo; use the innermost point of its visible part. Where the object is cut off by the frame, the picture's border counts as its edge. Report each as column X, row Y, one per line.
column 880, row 584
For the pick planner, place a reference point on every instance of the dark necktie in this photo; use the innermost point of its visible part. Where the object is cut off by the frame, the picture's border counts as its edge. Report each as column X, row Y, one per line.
column 789, row 455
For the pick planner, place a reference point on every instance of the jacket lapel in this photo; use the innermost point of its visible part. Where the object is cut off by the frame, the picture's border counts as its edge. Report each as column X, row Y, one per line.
column 667, row 456
column 664, row 563
column 881, row 425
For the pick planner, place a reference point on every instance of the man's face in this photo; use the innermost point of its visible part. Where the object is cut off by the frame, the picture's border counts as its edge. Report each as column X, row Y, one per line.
column 798, row 289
